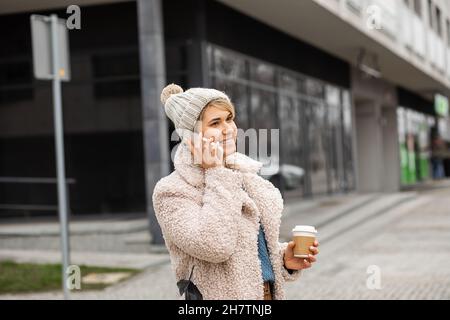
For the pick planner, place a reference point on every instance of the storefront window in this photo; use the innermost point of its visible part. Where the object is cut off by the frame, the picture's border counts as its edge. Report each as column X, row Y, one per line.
column 313, row 118
column 288, row 82
column 401, row 124
column 229, row 64
column 414, row 135
column 349, row 173
column 317, row 142
column 293, row 144
column 314, row 88
column 240, row 98
column 262, row 73
column 335, row 155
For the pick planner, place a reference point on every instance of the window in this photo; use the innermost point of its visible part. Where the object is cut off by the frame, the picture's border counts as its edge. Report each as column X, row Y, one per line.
column 355, row 6
column 438, row 25
column 349, row 181
column 430, row 14
column 116, row 74
column 418, row 7
column 313, row 118
column 317, row 146
column 15, row 81
column 447, row 23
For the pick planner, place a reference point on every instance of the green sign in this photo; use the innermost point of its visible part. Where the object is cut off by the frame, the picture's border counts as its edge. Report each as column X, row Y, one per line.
column 441, row 105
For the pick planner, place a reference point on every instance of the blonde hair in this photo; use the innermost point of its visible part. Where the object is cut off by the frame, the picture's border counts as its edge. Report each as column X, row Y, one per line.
column 220, row 103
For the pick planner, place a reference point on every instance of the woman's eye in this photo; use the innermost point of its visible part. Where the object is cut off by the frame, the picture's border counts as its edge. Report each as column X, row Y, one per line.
column 214, row 123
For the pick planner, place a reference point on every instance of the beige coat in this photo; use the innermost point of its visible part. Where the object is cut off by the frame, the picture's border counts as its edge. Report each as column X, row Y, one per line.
column 210, row 219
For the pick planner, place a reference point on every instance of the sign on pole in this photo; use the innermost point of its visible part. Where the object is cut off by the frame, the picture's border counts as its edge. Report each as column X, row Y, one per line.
column 42, row 48
column 51, row 62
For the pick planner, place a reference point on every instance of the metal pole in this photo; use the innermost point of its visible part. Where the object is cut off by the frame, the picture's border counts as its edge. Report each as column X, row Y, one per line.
column 59, row 146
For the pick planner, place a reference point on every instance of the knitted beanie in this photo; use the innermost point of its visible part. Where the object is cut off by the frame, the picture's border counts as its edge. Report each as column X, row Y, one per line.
column 184, row 107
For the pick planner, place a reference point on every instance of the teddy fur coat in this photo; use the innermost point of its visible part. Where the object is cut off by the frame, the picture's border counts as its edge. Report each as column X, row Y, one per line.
column 210, row 220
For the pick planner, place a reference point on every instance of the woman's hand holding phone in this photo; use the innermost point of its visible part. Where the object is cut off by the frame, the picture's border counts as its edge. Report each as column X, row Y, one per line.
column 206, row 152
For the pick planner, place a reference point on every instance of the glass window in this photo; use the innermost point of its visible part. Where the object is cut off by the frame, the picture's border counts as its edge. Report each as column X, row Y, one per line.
column 262, row 109
column 262, row 73
column 314, row 120
column 332, row 95
column 349, row 181
column 15, row 81
column 438, row 21
column 314, row 88
column 116, row 74
column 418, row 7
column 430, row 14
column 288, row 82
column 447, row 24
column 317, row 147
column 228, row 64
column 263, row 115
column 238, row 94
column 335, row 137
column 292, row 169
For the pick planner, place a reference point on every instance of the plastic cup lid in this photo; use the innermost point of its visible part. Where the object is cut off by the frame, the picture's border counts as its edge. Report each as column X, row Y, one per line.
column 309, row 229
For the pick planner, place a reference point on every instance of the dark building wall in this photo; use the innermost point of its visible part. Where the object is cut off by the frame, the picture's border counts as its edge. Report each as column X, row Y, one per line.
column 193, row 20
column 413, row 101
column 229, row 28
column 101, row 107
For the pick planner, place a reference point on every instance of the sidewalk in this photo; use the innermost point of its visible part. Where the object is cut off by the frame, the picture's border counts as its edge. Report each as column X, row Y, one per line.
column 354, row 230
column 407, row 246
column 91, row 225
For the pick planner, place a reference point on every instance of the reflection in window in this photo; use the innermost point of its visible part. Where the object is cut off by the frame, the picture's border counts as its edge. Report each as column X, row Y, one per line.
column 349, row 181
column 317, row 142
column 314, row 88
column 239, row 97
column 263, row 116
column 335, row 138
column 293, row 168
column 228, row 64
column 288, row 82
column 262, row 73
column 314, row 120
column 332, row 95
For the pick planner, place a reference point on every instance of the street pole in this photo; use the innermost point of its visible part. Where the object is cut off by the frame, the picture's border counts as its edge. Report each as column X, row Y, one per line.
column 59, row 146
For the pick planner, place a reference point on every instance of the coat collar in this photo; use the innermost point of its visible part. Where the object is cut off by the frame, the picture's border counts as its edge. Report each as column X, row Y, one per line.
column 195, row 175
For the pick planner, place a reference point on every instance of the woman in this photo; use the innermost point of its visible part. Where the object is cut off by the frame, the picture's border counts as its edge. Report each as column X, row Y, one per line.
column 219, row 219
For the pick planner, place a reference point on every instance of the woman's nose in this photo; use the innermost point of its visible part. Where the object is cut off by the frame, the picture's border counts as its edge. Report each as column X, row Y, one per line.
column 227, row 129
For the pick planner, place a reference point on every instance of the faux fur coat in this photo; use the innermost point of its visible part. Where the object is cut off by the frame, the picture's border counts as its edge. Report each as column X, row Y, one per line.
column 210, row 219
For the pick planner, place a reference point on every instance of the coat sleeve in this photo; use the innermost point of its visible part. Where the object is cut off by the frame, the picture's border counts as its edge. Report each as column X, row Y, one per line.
column 209, row 231
column 287, row 275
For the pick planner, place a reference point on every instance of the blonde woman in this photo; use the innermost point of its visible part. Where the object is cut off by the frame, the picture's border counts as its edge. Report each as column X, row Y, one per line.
column 219, row 218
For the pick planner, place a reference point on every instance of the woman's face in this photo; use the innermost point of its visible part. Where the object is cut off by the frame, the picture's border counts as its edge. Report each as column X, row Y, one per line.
column 219, row 124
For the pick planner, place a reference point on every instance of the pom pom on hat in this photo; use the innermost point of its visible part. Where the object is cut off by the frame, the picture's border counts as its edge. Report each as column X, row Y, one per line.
column 170, row 90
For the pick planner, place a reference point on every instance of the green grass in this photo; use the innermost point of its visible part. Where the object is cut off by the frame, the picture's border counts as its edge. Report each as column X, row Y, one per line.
column 29, row 277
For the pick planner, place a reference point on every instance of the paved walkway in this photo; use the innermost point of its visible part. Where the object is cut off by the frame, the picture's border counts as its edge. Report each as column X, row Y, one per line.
column 403, row 236
column 409, row 246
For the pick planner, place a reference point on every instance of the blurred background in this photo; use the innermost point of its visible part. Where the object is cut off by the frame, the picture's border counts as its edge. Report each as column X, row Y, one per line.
column 358, row 89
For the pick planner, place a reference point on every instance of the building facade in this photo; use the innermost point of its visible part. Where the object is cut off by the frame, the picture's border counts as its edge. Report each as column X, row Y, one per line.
column 350, row 85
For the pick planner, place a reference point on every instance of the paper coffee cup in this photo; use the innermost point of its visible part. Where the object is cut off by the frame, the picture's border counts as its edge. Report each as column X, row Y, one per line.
column 303, row 237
